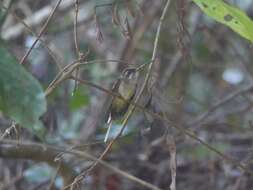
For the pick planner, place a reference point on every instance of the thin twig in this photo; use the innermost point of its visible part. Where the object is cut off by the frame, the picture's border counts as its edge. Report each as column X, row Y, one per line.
column 59, row 150
column 8, row 130
column 41, row 40
column 78, row 53
column 51, row 185
column 67, row 71
column 75, row 28
column 129, row 49
column 35, row 152
column 34, row 20
column 184, row 130
column 218, row 105
column 170, row 141
column 7, row 11
column 132, row 107
column 40, row 33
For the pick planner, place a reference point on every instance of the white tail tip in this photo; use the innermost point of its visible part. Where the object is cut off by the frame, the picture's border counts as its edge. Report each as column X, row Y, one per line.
column 109, row 124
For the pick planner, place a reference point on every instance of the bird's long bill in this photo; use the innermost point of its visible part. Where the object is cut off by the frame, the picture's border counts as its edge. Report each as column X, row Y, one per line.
column 109, row 125
column 141, row 67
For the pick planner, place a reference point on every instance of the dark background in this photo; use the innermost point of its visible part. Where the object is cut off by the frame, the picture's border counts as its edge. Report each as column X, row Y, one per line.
column 203, row 78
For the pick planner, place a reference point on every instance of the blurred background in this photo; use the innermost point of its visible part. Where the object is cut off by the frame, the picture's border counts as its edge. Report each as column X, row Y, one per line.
column 203, row 82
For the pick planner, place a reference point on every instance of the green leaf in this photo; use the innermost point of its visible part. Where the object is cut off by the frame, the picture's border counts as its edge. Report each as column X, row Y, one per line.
column 229, row 15
column 79, row 99
column 21, row 96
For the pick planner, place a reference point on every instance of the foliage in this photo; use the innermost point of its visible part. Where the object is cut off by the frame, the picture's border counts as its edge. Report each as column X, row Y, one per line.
column 21, row 96
column 229, row 15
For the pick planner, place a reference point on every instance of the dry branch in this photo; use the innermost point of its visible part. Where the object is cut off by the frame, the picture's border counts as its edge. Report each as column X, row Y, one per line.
column 34, row 20
column 38, row 153
column 49, row 153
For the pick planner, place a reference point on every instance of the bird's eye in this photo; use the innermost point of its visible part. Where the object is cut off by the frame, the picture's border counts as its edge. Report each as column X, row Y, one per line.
column 129, row 73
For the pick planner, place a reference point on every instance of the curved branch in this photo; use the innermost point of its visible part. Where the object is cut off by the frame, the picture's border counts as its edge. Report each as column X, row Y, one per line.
column 38, row 153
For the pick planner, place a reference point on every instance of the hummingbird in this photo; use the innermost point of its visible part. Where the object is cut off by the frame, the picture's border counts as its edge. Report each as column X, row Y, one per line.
column 125, row 86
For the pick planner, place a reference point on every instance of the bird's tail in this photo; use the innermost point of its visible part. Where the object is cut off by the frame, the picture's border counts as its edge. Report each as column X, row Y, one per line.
column 109, row 125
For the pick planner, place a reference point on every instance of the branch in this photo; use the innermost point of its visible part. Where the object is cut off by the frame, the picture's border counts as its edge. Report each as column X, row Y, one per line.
column 219, row 104
column 66, row 73
column 129, row 48
column 28, row 28
column 40, row 151
column 184, row 130
column 7, row 10
column 33, row 20
column 41, row 32
column 132, row 107
column 75, row 28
